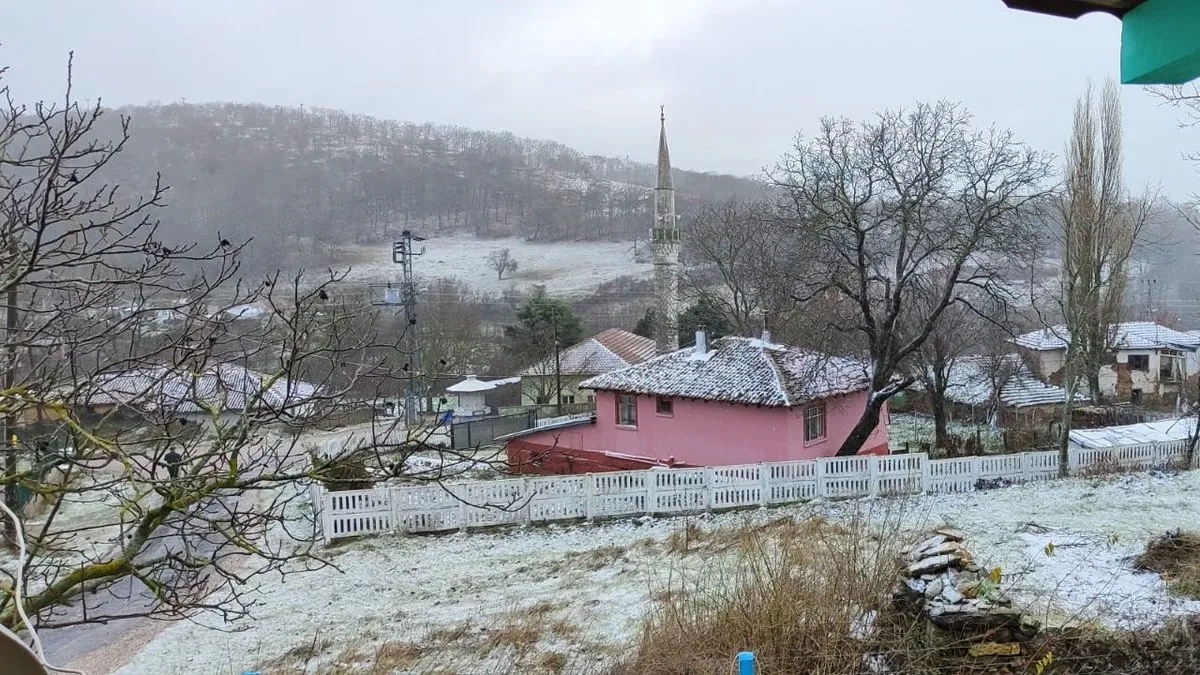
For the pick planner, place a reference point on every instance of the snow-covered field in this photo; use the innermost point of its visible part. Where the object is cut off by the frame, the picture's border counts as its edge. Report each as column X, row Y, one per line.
column 1063, row 548
column 565, row 268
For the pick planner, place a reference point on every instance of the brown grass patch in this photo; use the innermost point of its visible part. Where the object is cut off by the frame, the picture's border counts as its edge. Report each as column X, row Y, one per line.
column 1176, row 557
column 790, row 590
column 395, row 655
column 554, row 662
column 591, row 560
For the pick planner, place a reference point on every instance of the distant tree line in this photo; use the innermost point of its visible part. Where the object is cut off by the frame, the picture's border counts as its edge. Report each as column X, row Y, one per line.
column 302, row 181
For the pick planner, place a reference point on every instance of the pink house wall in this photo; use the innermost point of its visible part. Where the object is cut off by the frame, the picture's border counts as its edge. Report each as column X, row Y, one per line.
column 704, row 433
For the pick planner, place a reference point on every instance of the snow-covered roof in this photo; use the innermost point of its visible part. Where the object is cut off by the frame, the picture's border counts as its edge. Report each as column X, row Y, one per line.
column 1132, row 434
column 250, row 311
column 971, row 383
column 1129, row 335
column 474, row 384
column 740, row 370
column 227, row 386
column 603, row 352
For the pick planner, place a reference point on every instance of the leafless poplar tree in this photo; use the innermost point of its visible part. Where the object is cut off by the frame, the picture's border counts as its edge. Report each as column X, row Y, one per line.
column 910, row 199
column 1100, row 225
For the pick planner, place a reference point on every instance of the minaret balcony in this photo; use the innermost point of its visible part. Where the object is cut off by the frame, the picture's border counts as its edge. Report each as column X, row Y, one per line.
column 664, row 234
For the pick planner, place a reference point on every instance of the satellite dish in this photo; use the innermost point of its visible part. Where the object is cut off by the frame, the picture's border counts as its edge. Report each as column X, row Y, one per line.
column 17, row 658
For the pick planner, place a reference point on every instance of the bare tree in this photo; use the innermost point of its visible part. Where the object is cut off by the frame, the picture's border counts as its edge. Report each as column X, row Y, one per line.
column 1100, row 226
column 735, row 252
column 503, row 262
column 163, row 446
column 910, row 198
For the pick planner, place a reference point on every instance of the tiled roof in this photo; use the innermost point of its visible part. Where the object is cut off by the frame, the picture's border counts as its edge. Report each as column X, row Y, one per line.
column 165, row 390
column 740, row 370
column 1129, row 335
column 601, row 353
column 970, row 383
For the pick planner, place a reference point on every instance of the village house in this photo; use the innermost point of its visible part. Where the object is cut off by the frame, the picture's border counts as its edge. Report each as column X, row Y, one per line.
column 603, row 352
column 1149, row 362
column 741, row 401
column 1000, row 391
column 468, row 399
column 220, row 393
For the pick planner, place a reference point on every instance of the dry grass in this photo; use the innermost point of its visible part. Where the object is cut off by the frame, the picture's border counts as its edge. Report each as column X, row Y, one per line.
column 790, row 591
column 1175, row 556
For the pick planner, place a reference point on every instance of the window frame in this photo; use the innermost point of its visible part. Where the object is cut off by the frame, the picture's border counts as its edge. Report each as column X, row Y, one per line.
column 816, row 412
column 1131, row 357
column 568, row 399
column 669, row 410
column 627, row 402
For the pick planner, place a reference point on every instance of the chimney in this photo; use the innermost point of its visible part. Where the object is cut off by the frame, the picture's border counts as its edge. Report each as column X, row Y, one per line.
column 766, row 336
column 701, row 342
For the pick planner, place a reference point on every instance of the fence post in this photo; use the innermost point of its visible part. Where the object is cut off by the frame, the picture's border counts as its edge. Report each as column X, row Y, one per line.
column 462, row 514
column 1026, row 467
column 651, row 491
column 764, row 480
column 873, row 475
column 589, row 494
column 709, row 478
column 527, row 497
column 926, row 473
column 746, row 663
column 1072, row 460
column 326, row 515
column 820, row 474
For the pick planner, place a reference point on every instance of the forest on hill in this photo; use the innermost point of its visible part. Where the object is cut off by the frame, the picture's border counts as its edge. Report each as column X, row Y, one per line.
column 302, row 181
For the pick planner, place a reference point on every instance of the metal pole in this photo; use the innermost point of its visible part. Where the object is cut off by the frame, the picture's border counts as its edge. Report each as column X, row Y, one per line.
column 557, row 366
column 402, row 253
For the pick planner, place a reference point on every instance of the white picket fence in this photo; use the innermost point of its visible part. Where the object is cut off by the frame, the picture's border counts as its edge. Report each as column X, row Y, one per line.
column 440, row 508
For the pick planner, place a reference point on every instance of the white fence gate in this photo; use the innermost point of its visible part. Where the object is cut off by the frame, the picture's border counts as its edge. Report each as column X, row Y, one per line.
column 439, row 508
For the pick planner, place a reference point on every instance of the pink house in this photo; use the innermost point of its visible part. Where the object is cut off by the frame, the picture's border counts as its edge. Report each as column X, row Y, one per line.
column 741, row 401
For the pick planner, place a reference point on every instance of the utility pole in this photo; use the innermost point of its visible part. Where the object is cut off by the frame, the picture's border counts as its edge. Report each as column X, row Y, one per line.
column 403, row 254
column 557, row 366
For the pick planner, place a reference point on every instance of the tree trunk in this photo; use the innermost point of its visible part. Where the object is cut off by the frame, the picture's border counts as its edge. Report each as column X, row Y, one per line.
column 1093, row 383
column 863, row 428
column 941, row 437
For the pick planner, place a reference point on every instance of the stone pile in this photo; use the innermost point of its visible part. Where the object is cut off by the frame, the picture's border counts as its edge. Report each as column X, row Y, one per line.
column 959, row 598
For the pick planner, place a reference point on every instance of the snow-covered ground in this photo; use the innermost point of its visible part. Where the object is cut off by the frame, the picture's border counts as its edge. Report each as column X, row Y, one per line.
column 1063, row 548
column 565, row 268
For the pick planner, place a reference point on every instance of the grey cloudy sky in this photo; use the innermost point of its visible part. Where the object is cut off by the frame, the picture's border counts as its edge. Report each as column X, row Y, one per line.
column 739, row 77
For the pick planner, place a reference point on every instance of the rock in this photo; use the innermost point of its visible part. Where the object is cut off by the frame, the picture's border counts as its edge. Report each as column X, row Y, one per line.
column 916, row 585
column 995, row 649
column 941, row 549
column 928, row 577
column 951, row 594
column 934, row 589
column 951, row 534
column 918, row 551
column 933, row 564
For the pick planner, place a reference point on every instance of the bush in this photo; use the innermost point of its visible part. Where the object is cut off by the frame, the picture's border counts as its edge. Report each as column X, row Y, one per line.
column 347, row 474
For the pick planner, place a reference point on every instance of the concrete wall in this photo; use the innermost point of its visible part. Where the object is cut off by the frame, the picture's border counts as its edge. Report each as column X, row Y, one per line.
column 703, row 433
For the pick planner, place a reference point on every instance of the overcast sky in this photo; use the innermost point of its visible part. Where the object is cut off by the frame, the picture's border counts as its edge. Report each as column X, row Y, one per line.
column 739, row 77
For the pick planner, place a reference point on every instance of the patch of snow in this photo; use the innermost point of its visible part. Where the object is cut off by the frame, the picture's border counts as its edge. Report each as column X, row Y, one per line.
column 565, row 268
column 914, row 429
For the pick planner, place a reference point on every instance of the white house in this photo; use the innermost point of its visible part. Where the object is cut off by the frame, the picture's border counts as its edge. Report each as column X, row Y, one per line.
column 471, row 392
column 1148, row 362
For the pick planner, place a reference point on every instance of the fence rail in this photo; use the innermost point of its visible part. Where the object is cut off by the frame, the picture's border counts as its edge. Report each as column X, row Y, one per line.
column 440, row 508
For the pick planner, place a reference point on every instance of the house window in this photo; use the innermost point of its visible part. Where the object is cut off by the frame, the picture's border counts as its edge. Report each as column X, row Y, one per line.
column 591, row 398
column 542, row 400
column 1139, row 362
column 568, row 399
column 814, row 422
column 627, row 410
column 1135, row 396
column 664, row 406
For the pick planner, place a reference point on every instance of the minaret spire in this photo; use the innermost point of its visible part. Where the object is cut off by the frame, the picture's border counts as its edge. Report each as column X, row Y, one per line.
column 664, row 238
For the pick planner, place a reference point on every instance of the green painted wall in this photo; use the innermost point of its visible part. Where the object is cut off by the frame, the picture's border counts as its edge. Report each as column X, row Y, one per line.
column 1160, row 43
